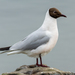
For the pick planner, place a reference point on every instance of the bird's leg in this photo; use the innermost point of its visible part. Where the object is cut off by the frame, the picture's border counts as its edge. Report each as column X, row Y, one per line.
column 41, row 62
column 37, row 62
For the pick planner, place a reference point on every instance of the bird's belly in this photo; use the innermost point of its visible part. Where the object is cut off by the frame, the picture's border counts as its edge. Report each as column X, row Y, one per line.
column 45, row 48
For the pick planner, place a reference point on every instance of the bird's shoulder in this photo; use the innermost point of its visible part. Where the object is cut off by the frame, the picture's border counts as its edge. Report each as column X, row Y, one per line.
column 38, row 34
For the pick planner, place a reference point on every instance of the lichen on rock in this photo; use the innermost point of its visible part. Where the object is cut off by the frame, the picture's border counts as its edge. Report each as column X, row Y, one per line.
column 34, row 70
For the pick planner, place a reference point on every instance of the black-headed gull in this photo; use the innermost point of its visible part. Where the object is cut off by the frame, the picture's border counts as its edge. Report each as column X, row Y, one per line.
column 41, row 41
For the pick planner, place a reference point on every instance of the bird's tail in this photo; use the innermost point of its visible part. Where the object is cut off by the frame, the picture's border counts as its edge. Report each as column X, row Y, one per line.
column 4, row 49
column 13, row 52
column 9, row 52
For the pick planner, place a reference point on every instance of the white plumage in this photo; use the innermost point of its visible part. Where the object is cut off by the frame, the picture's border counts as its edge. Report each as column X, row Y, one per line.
column 41, row 41
column 48, row 29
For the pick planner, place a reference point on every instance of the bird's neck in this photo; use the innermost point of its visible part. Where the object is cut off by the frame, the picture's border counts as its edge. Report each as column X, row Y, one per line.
column 49, row 23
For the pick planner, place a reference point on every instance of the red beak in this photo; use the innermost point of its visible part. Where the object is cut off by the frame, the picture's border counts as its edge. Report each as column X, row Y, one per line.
column 63, row 15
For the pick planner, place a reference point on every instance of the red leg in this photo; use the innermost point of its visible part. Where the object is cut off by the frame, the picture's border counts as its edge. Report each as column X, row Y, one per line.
column 37, row 61
column 40, row 59
column 41, row 62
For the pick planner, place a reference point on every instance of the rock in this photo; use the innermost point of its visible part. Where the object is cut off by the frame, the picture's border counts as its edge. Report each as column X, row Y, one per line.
column 33, row 70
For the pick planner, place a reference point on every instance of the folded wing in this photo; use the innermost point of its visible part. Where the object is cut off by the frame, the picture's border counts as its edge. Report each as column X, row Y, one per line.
column 32, row 41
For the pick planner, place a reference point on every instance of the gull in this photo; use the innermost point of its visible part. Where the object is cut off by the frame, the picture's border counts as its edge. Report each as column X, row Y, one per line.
column 41, row 41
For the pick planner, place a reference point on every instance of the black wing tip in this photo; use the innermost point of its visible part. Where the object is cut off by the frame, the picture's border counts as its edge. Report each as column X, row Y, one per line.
column 4, row 48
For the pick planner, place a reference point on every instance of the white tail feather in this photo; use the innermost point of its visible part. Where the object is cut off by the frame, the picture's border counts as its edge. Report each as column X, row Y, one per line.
column 13, row 52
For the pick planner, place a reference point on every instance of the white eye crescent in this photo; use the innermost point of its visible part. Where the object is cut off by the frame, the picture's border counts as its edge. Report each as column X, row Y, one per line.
column 54, row 11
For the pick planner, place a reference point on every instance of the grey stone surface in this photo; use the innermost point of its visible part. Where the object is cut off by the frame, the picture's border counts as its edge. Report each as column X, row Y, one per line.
column 34, row 70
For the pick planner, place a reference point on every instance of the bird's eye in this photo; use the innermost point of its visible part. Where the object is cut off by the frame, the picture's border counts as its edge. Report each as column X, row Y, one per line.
column 54, row 11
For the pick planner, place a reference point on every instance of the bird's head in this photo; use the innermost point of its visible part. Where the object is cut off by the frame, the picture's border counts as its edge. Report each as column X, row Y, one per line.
column 55, row 13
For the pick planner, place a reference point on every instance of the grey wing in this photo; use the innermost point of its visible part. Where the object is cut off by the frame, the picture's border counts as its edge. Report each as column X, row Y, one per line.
column 31, row 42
column 37, row 43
